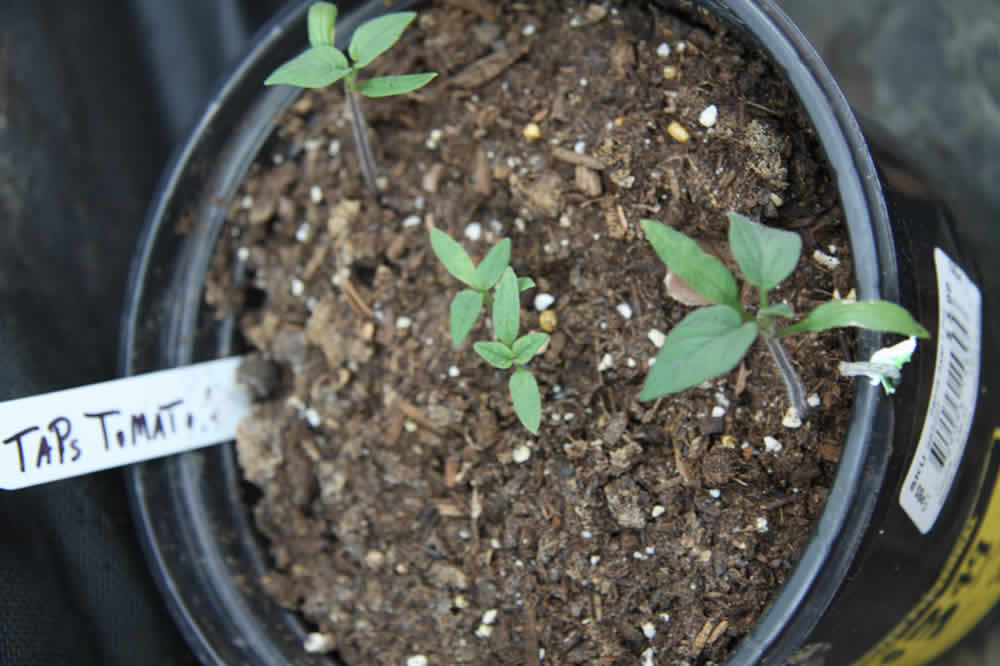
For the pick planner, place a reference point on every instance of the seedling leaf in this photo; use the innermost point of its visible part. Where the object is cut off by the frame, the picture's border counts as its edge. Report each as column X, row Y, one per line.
column 708, row 342
column 491, row 267
column 455, row 259
column 496, row 354
column 527, row 399
column 525, row 283
column 874, row 315
column 507, row 308
column 322, row 19
column 777, row 310
column 465, row 308
column 384, row 86
column 317, row 67
column 703, row 272
column 526, row 346
column 377, row 36
column 765, row 255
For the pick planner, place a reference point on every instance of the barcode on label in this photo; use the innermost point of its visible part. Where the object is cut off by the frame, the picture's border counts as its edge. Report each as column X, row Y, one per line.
column 953, row 395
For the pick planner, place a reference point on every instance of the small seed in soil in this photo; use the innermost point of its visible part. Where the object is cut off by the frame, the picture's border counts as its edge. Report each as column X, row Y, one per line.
column 708, row 116
column 532, row 132
column 677, row 132
column 776, row 200
column 670, row 72
column 547, row 321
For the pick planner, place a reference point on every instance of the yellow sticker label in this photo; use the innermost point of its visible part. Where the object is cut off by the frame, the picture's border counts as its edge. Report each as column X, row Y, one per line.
column 967, row 588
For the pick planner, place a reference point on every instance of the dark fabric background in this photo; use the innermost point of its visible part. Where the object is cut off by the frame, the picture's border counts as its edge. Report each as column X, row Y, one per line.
column 94, row 96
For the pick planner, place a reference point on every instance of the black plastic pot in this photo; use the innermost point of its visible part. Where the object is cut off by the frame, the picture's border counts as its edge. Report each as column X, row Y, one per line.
column 866, row 567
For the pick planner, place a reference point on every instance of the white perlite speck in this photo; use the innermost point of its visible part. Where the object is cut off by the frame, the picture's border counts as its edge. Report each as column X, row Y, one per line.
column 607, row 362
column 303, row 232
column 647, row 657
column 484, row 631
column 403, row 322
column 663, row 50
column 453, row 371
column 708, row 116
column 825, row 260
column 416, row 660
column 243, row 254
column 813, row 400
column 474, row 231
column 625, row 310
column 528, row 30
column 317, row 643
column 657, row 337
column 657, row 511
column 791, row 418
column 298, row 287
column 648, row 630
column 718, row 412
column 521, row 454
column 490, row 616
column 715, row 493
column 411, row 221
column 579, row 147
column 544, row 301
column 315, row 194
column 771, row 445
column 761, row 525
column 595, row 560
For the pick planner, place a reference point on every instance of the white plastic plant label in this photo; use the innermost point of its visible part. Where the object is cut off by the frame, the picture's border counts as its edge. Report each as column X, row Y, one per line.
column 81, row 430
column 953, row 395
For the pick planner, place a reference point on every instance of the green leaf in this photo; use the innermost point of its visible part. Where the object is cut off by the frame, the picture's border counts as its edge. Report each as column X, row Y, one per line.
column 376, row 36
column 465, row 308
column 507, row 308
column 491, row 267
column 875, row 315
column 526, row 346
column 777, row 310
column 765, row 255
column 385, row 86
column 455, row 259
column 496, row 354
column 707, row 343
column 317, row 67
column 703, row 272
column 322, row 19
column 525, row 283
column 527, row 399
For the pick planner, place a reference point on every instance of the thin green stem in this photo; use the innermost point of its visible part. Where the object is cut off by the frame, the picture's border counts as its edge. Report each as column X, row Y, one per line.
column 360, row 128
column 794, row 388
